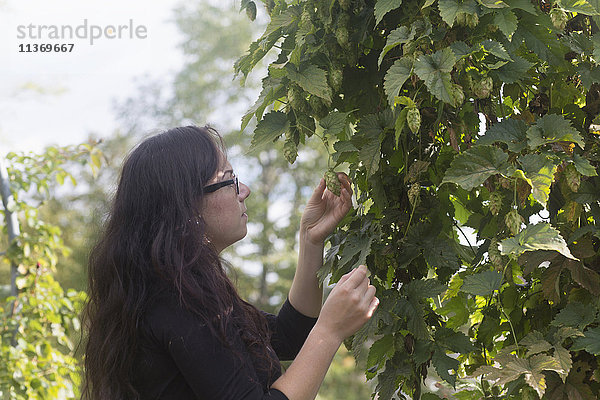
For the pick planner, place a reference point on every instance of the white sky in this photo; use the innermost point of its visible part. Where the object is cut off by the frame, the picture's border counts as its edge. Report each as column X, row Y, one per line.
column 77, row 88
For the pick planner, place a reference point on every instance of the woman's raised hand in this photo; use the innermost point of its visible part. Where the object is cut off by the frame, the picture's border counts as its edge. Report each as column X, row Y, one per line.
column 349, row 306
column 325, row 210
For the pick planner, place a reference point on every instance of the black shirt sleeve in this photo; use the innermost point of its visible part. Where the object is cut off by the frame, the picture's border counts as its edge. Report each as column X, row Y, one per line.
column 289, row 330
column 212, row 370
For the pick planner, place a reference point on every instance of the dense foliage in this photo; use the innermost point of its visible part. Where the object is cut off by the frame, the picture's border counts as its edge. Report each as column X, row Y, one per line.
column 39, row 328
column 469, row 129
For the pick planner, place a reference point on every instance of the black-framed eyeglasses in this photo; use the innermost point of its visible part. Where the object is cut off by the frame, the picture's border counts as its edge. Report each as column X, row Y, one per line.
column 219, row 185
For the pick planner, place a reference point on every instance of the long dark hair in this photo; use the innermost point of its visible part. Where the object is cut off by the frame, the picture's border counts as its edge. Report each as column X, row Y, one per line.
column 155, row 235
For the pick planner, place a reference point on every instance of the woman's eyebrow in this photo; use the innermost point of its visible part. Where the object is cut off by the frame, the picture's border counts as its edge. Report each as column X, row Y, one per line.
column 229, row 170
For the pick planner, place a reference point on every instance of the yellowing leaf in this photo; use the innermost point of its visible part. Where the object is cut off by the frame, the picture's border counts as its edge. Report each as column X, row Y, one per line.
column 541, row 236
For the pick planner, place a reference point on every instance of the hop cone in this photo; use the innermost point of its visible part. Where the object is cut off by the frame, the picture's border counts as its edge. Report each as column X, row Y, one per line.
column 494, row 253
column 513, row 221
column 495, row 203
column 413, row 194
column 333, row 183
column 413, row 118
column 483, row 88
column 572, row 177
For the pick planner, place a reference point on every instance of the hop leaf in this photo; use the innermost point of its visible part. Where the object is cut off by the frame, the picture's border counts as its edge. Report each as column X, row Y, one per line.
column 513, row 221
column 333, row 183
column 413, row 118
column 495, row 203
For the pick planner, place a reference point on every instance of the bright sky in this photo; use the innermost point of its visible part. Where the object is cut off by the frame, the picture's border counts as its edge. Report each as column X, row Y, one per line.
column 62, row 97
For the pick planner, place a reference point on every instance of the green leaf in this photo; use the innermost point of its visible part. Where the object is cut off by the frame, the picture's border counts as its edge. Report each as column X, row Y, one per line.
column 380, row 351
column 435, row 71
column 507, row 22
column 495, row 48
column 563, row 356
column 578, row 6
column 268, row 129
column 395, row 77
column 512, row 132
column 396, row 37
column 456, row 311
column 471, row 168
column 583, row 166
column 424, row 288
column 442, row 364
column 539, row 170
column 285, row 19
column 590, row 341
column 535, row 343
column 553, row 128
column 541, row 236
column 382, row 7
column 576, row 315
column 482, row 283
column 456, row 342
column 370, row 154
column 312, row 79
column 334, row 123
column 514, row 71
column 449, row 9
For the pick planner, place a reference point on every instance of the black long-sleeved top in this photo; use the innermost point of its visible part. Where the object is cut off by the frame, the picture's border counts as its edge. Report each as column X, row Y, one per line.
column 181, row 359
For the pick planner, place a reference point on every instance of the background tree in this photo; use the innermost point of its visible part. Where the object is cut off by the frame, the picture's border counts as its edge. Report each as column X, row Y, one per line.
column 39, row 318
column 453, row 117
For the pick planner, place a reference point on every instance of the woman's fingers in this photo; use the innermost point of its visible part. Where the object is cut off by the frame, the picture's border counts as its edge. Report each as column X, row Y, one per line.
column 358, row 276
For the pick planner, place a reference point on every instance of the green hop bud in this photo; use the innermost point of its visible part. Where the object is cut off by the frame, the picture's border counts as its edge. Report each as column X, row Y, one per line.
column 572, row 177
column 457, row 95
column 483, row 88
column 319, row 109
column 413, row 118
column 572, row 211
column 296, row 99
column 343, row 39
column 345, row 4
column 290, row 151
column 559, row 18
column 413, row 194
column 335, row 78
column 333, row 183
column 494, row 254
column 495, row 202
column 251, row 10
column 461, row 19
column 472, row 20
column 513, row 221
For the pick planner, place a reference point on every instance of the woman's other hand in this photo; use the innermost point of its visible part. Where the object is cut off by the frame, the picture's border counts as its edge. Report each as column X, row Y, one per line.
column 325, row 210
column 349, row 306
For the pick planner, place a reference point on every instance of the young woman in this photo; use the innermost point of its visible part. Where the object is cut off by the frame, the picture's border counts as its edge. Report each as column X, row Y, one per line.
column 163, row 319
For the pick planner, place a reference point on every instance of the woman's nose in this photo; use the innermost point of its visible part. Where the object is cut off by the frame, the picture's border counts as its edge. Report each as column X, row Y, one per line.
column 244, row 191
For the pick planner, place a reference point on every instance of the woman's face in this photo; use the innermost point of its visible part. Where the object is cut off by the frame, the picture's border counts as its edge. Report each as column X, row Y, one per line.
column 224, row 211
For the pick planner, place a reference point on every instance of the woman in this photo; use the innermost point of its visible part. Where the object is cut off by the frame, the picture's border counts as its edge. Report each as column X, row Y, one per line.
column 165, row 322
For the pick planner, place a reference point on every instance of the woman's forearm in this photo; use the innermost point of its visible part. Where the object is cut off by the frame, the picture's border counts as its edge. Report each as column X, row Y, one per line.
column 306, row 295
column 301, row 381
